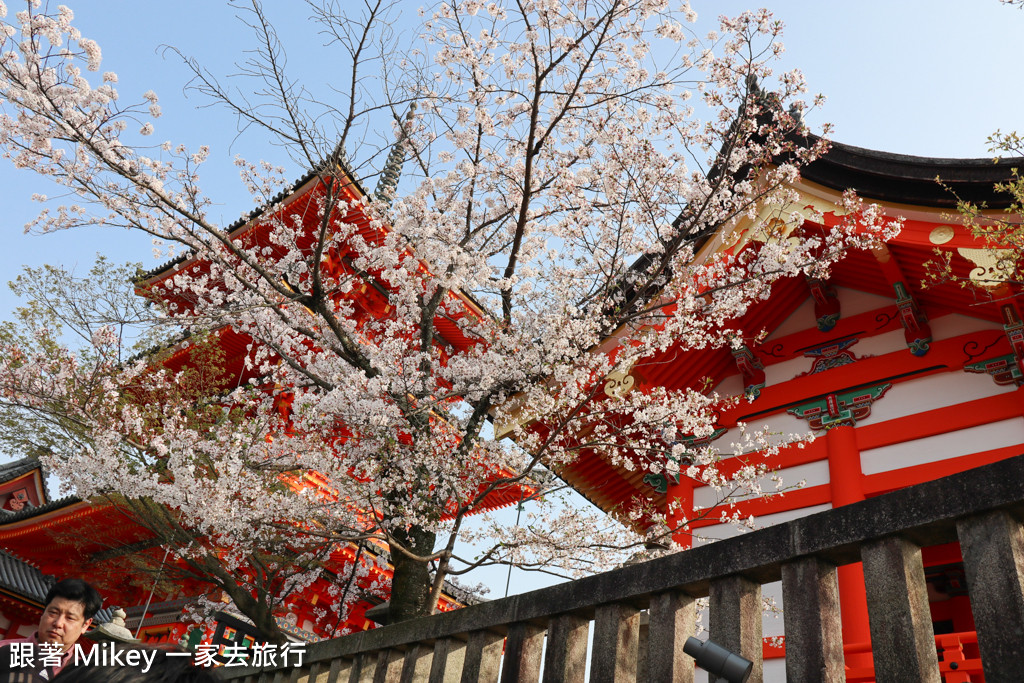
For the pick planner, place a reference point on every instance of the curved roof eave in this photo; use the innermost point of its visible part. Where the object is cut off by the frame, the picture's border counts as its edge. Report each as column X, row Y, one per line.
column 290, row 190
column 906, row 179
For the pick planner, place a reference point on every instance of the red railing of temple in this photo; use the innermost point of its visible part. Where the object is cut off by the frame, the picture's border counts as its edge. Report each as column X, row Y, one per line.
column 954, row 664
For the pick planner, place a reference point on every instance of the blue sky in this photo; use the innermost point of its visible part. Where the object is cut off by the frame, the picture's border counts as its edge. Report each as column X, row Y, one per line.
column 930, row 78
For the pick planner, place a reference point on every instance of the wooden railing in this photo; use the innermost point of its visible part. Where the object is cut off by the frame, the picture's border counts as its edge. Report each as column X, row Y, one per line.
column 545, row 632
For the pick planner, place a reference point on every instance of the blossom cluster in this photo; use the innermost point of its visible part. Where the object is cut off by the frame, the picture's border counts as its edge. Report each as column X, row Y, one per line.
column 551, row 230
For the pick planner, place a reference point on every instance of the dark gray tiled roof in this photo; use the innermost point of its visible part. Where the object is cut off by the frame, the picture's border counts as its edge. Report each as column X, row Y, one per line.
column 239, row 223
column 21, row 578
column 910, row 179
column 254, row 214
column 17, row 575
column 339, row 156
column 103, row 616
column 9, row 516
column 10, row 470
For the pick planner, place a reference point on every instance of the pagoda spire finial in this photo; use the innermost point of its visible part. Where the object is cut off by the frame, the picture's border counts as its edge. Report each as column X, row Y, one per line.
column 388, row 182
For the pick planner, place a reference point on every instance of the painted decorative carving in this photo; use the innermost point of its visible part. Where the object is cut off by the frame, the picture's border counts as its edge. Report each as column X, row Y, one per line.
column 1014, row 328
column 993, row 266
column 826, row 304
column 18, row 500
column 752, row 369
column 840, row 408
column 831, row 355
column 941, row 234
column 1003, row 369
column 915, row 325
column 660, row 482
column 618, row 383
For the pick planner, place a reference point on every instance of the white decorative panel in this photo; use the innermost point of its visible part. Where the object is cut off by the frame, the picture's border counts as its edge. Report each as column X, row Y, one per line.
column 954, row 324
column 774, row 671
column 814, row 473
column 781, row 428
column 943, row 446
column 730, row 386
column 933, row 391
column 799, row 320
column 719, row 531
column 779, row 373
column 771, row 621
column 892, row 341
column 851, row 303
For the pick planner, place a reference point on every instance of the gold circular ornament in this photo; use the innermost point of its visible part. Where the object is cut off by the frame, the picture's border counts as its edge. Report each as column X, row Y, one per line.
column 941, row 234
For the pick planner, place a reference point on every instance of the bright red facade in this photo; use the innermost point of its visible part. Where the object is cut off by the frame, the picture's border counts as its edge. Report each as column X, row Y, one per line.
column 87, row 539
column 901, row 380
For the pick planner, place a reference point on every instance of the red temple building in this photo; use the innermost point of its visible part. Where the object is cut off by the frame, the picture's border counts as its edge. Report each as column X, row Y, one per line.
column 50, row 539
column 74, row 537
column 23, row 585
column 901, row 380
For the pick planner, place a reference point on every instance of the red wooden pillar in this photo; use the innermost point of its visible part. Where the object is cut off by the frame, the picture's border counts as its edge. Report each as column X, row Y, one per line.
column 846, row 481
column 12, row 629
column 675, row 514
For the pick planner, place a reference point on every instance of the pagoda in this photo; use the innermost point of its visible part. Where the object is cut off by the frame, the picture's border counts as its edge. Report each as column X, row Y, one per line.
column 93, row 537
column 305, row 198
column 47, row 539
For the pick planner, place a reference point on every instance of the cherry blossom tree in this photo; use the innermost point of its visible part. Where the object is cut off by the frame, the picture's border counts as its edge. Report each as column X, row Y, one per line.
column 553, row 224
column 57, row 417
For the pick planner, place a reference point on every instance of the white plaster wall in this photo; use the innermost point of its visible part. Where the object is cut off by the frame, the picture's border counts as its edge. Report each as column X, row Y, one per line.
column 783, row 427
column 717, row 532
column 903, row 399
column 944, row 327
column 730, row 386
column 954, row 324
column 851, row 303
column 800, row 319
column 943, row 446
column 774, row 671
column 954, row 387
column 778, row 373
column 772, row 623
column 779, row 428
column 813, row 473
column 881, row 344
column 933, row 391
column 878, row 345
column 854, row 302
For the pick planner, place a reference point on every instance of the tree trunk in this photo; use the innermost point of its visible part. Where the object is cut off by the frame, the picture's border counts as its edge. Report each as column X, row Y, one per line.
column 261, row 614
column 410, row 586
column 268, row 628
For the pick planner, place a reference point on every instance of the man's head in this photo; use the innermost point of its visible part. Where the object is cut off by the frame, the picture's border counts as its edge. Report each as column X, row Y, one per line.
column 70, row 607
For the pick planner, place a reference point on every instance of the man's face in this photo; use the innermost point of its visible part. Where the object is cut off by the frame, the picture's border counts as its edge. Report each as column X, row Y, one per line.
column 63, row 621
